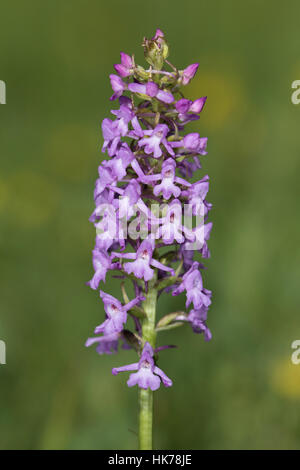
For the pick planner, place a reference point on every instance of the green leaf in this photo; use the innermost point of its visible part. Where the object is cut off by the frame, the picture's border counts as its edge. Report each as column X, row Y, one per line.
column 179, row 267
column 124, row 293
column 169, row 281
column 137, row 312
column 170, row 327
column 140, row 282
column 167, row 319
column 166, row 257
column 132, row 339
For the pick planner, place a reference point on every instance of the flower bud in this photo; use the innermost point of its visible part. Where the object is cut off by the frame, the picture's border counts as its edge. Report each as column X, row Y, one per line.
column 156, row 50
column 188, row 73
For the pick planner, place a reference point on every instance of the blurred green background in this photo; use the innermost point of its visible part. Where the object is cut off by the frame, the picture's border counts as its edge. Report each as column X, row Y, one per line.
column 240, row 390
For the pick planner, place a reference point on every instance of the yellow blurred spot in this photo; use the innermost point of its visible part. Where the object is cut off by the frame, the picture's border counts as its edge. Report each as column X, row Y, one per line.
column 72, row 152
column 226, row 98
column 33, row 199
column 286, row 379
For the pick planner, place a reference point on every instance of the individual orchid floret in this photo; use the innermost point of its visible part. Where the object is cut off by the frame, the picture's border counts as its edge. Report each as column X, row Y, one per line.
column 198, row 191
column 105, row 197
column 148, row 375
column 116, row 313
column 188, row 167
column 151, row 89
column 196, row 194
column 105, row 180
column 111, row 135
column 197, row 105
column 125, row 68
column 124, row 157
column 106, row 228
column 183, row 106
column 187, row 257
column 117, row 85
column 197, row 320
column 104, row 207
column 202, row 234
column 107, row 344
column 118, row 165
column 142, row 260
column 171, row 227
column 159, row 36
column 102, row 263
column 189, row 110
column 193, row 285
column 168, row 178
column 192, row 143
column 154, row 138
column 130, row 202
column 125, row 115
column 188, row 73
column 126, row 203
column 114, row 170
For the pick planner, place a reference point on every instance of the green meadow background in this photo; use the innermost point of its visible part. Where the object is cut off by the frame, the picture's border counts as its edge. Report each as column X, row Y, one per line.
column 238, row 391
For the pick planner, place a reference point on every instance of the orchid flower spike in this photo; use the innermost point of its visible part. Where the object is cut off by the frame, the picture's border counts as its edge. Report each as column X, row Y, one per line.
column 151, row 216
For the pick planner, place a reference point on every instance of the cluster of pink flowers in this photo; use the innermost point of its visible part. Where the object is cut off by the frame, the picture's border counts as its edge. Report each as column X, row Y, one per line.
column 151, row 161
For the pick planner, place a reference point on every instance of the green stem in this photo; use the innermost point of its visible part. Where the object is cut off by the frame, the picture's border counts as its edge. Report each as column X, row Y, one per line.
column 145, row 419
column 146, row 396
